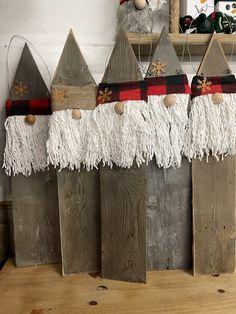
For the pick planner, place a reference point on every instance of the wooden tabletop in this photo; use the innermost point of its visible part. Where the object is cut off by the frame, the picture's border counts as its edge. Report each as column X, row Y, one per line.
column 42, row 290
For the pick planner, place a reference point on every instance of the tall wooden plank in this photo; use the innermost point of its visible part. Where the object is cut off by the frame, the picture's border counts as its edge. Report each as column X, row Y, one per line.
column 169, row 193
column 34, row 198
column 214, row 188
column 79, row 203
column 123, row 193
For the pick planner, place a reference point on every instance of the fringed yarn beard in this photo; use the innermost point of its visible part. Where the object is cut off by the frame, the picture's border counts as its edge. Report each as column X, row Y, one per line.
column 73, row 143
column 125, row 138
column 25, row 151
column 130, row 19
column 211, row 128
column 169, row 125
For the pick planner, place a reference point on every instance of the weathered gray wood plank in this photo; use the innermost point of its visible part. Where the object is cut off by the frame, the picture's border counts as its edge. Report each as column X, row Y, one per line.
column 214, row 189
column 35, row 203
column 123, row 200
column 169, row 217
column 123, row 193
column 36, row 219
column 79, row 200
column 78, row 191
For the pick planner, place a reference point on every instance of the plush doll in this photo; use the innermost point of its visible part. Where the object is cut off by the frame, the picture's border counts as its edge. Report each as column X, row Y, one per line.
column 137, row 15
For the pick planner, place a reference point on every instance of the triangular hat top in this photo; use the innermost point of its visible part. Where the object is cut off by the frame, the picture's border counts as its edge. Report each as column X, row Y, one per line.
column 214, row 62
column 165, row 61
column 28, row 83
column 123, row 65
column 73, row 85
column 72, row 69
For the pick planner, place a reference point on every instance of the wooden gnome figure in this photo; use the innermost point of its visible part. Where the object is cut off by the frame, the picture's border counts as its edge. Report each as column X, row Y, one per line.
column 137, row 15
column 34, row 187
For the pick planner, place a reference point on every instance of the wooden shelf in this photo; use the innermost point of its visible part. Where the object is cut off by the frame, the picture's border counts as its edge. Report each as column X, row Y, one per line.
column 197, row 42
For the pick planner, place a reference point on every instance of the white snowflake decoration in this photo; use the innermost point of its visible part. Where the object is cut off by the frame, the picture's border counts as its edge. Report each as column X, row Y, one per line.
column 156, row 4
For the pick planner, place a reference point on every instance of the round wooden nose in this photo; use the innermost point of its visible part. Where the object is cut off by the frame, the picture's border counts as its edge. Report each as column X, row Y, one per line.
column 76, row 114
column 119, row 107
column 30, row 119
column 169, row 101
column 217, row 98
column 140, row 4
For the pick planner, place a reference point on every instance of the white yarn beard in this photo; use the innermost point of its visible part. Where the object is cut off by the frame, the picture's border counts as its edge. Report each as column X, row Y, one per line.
column 25, row 151
column 212, row 128
column 73, row 143
column 124, row 138
column 169, row 125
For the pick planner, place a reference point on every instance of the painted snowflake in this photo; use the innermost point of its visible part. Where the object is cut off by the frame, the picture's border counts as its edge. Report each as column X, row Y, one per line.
column 104, row 95
column 59, row 95
column 158, row 68
column 21, row 89
column 203, row 85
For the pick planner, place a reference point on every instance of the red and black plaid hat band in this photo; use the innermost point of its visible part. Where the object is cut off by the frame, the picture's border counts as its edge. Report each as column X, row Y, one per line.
column 25, row 107
column 210, row 85
column 112, row 92
column 164, row 85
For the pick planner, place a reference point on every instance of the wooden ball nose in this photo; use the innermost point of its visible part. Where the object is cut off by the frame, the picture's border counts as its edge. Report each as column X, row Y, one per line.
column 140, row 4
column 169, row 101
column 119, row 107
column 30, row 119
column 76, row 114
column 217, row 98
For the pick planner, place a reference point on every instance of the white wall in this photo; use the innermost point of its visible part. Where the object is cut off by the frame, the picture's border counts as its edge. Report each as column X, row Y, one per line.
column 46, row 24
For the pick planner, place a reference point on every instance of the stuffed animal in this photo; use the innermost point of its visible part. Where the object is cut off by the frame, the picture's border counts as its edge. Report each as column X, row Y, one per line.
column 137, row 15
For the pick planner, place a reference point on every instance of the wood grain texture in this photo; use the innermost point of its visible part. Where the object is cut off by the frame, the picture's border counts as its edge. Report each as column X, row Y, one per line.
column 42, row 290
column 78, row 191
column 214, row 206
column 169, row 217
column 79, row 200
column 174, row 9
column 36, row 219
column 214, row 195
column 123, row 202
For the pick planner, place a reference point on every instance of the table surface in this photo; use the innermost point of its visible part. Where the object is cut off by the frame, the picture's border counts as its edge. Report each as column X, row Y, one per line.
column 42, row 290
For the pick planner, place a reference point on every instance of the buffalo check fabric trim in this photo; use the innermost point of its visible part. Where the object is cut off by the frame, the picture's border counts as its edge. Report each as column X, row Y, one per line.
column 112, row 92
column 164, row 85
column 215, row 84
column 24, row 107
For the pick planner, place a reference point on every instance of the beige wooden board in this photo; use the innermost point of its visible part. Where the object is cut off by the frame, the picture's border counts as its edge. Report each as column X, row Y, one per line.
column 123, row 192
column 42, row 290
column 34, row 198
column 79, row 199
column 214, row 195
column 36, row 219
column 78, row 191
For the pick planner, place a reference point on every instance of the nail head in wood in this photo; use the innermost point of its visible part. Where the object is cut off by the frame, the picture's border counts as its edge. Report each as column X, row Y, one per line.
column 169, row 101
column 140, row 4
column 30, row 119
column 119, row 107
column 76, row 114
column 217, row 98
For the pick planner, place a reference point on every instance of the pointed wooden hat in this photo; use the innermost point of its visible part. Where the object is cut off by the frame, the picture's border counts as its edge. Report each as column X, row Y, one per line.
column 165, row 61
column 73, row 85
column 28, row 83
column 123, row 65
column 214, row 62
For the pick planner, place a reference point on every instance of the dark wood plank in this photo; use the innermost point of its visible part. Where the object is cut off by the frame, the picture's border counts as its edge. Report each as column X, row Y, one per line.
column 123, row 193
column 169, row 205
column 6, row 232
column 78, row 192
column 169, row 217
column 79, row 201
column 36, row 219
column 214, row 189
column 123, row 200
column 35, row 204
